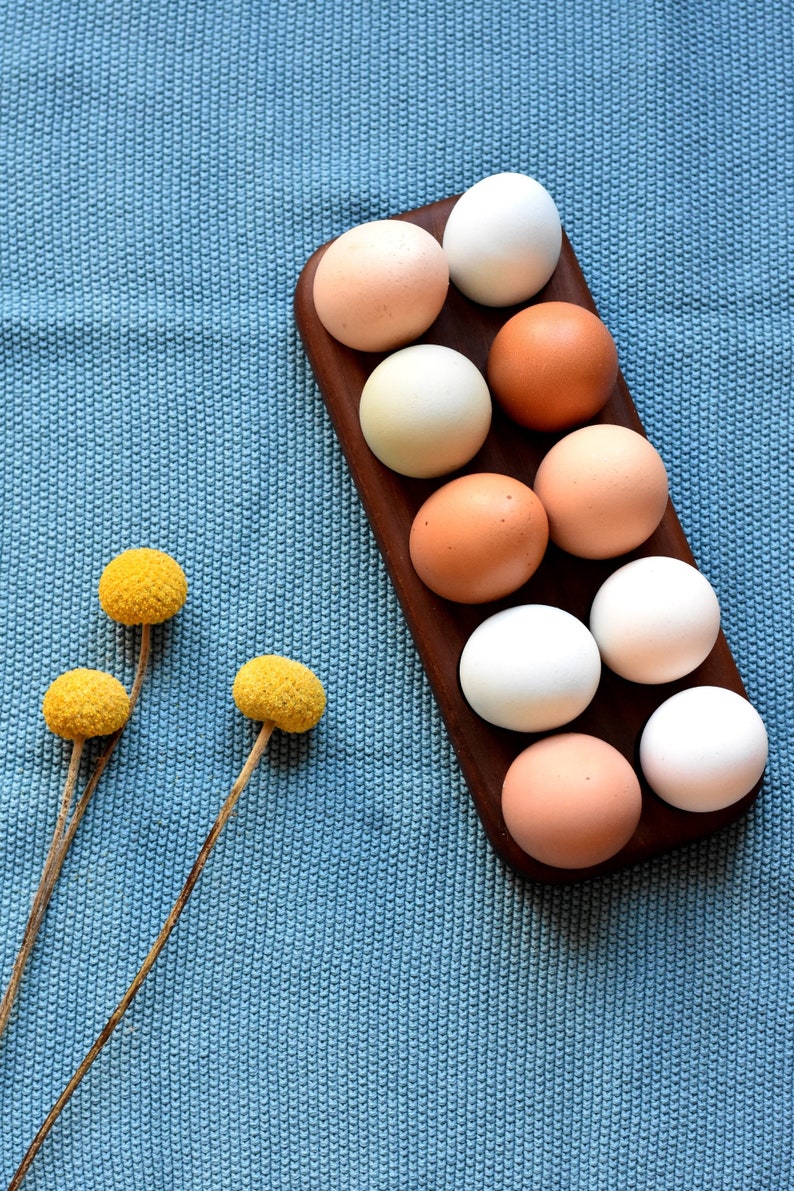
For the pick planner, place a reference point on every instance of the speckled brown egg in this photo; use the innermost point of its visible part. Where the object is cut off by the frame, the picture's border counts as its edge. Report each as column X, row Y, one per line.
column 478, row 538
column 552, row 366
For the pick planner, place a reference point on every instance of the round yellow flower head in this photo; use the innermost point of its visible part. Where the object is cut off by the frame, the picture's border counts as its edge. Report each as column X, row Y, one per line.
column 142, row 587
column 277, row 689
column 84, row 703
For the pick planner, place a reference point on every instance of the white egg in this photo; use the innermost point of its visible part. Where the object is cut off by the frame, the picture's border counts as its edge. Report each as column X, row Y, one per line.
column 703, row 749
column 655, row 619
column 530, row 668
column 425, row 410
column 503, row 239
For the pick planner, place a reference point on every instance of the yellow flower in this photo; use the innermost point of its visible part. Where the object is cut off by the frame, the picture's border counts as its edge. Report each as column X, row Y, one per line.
column 287, row 693
column 84, row 703
column 142, row 587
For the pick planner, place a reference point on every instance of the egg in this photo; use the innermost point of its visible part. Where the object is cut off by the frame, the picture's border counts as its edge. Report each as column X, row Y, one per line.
column 703, row 749
column 380, row 284
column 604, row 489
column 530, row 668
column 425, row 410
column 655, row 619
column 571, row 801
column 503, row 239
column 478, row 537
column 552, row 366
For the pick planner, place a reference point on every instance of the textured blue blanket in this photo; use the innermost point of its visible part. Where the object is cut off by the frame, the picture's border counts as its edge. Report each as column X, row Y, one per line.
column 359, row 996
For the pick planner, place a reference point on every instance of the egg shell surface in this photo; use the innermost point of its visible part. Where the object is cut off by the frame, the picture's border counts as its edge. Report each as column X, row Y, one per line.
column 552, row 366
column 604, row 489
column 478, row 537
column 503, row 239
column 530, row 668
column 380, row 284
column 571, row 800
column 425, row 410
column 655, row 619
column 703, row 749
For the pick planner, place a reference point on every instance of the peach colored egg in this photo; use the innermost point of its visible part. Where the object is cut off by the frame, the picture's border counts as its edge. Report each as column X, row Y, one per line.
column 604, row 489
column 571, row 801
column 478, row 538
column 552, row 366
column 380, row 284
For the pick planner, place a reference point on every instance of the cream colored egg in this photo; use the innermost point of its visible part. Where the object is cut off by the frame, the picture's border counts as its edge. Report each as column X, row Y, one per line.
column 703, row 749
column 655, row 619
column 530, row 668
column 503, row 239
column 425, row 410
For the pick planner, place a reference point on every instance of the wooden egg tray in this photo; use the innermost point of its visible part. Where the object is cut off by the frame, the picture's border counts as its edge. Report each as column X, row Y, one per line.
column 440, row 628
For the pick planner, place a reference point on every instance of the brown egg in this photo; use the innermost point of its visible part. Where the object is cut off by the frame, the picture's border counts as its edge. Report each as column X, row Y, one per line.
column 380, row 284
column 604, row 489
column 552, row 366
column 478, row 538
column 571, row 801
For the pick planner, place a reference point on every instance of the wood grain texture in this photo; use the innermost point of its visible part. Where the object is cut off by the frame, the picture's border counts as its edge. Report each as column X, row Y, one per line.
column 440, row 628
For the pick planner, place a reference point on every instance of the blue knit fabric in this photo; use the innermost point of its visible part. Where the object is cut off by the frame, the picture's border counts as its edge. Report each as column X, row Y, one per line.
column 359, row 996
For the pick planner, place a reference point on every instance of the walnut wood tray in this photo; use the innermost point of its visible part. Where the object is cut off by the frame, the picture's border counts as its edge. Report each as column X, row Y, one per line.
column 440, row 628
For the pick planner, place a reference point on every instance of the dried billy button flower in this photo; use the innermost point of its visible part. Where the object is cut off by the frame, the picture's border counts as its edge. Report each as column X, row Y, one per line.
column 85, row 703
column 278, row 692
column 142, row 587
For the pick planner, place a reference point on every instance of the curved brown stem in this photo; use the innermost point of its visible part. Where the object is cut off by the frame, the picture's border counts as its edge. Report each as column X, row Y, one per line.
column 64, row 834
column 47, row 880
column 105, row 755
column 223, row 816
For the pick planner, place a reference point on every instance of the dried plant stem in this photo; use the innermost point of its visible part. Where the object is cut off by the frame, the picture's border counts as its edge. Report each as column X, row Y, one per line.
column 223, row 817
column 99, row 768
column 29, row 938
column 63, row 835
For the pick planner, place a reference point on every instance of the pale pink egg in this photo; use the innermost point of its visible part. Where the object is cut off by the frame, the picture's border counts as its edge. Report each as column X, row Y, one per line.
column 380, row 285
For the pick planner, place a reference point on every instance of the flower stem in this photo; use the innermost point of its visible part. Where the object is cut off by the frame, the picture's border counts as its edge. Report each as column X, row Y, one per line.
column 64, row 834
column 46, row 882
column 224, row 814
column 101, row 764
